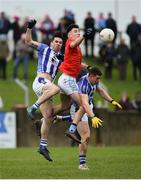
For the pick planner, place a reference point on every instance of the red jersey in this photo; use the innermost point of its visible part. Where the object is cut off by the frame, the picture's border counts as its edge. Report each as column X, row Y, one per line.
column 72, row 60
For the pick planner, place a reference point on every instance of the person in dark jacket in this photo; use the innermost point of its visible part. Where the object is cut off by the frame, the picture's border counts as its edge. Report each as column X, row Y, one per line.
column 15, row 26
column 89, row 22
column 136, row 60
column 107, row 54
column 133, row 30
column 4, row 24
column 111, row 24
column 123, row 54
column 4, row 52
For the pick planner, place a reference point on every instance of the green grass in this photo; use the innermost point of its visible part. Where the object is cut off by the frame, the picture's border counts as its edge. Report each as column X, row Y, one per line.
column 13, row 95
column 104, row 163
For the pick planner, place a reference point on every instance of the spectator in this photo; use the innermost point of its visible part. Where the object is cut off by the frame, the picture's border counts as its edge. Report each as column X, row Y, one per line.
column 136, row 59
column 122, row 59
column 69, row 17
column 47, row 29
column 4, row 53
column 137, row 102
column 62, row 26
column 133, row 30
column 89, row 22
column 111, row 23
column 101, row 22
column 108, row 53
column 125, row 102
column 22, row 56
column 15, row 26
column 4, row 25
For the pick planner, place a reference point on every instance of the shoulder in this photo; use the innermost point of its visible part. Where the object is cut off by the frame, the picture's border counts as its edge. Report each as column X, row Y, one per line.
column 42, row 46
column 83, row 81
column 69, row 40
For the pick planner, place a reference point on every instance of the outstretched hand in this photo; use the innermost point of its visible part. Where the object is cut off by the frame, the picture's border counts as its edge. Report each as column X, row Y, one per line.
column 96, row 122
column 116, row 104
column 31, row 23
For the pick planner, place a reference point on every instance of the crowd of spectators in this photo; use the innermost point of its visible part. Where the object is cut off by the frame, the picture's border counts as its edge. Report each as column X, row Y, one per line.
column 116, row 54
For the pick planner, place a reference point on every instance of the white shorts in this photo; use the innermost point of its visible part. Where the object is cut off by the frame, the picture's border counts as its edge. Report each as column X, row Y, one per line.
column 38, row 85
column 67, row 84
column 73, row 111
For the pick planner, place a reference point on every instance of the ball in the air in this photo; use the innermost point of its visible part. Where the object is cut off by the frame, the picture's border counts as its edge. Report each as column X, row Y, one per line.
column 107, row 35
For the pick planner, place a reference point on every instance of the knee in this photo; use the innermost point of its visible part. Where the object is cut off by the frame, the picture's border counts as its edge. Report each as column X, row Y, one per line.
column 48, row 121
column 55, row 90
column 48, row 115
column 85, row 138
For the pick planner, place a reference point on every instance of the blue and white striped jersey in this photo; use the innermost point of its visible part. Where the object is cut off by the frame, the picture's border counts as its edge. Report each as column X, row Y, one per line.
column 47, row 60
column 85, row 87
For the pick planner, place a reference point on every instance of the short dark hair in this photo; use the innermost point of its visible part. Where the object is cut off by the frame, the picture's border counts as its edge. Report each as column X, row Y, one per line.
column 70, row 27
column 57, row 34
column 95, row 71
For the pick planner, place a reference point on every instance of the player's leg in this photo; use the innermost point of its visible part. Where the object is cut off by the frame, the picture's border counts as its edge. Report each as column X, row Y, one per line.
column 47, row 112
column 45, row 90
column 38, row 124
column 57, row 109
column 84, row 132
column 78, row 115
column 48, row 92
column 69, row 86
column 64, row 105
column 71, row 132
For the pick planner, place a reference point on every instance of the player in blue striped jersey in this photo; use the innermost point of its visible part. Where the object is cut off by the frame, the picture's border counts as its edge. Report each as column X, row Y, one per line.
column 49, row 59
column 88, row 85
column 94, row 77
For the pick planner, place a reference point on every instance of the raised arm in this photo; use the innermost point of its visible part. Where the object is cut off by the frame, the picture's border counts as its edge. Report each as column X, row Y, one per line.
column 76, row 42
column 28, row 39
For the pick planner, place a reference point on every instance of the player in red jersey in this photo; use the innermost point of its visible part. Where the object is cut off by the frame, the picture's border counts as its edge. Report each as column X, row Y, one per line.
column 73, row 56
column 70, row 69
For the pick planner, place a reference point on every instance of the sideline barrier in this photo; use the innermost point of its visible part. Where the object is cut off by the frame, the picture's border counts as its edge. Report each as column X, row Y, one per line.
column 119, row 128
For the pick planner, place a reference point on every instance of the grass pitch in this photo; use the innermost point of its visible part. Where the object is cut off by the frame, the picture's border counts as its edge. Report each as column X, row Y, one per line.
column 104, row 163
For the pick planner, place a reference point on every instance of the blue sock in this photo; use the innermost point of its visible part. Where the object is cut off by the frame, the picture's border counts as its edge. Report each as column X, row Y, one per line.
column 35, row 106
column 43, row 142
column 67, row 118
column 82, row 159
column 72, row 128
